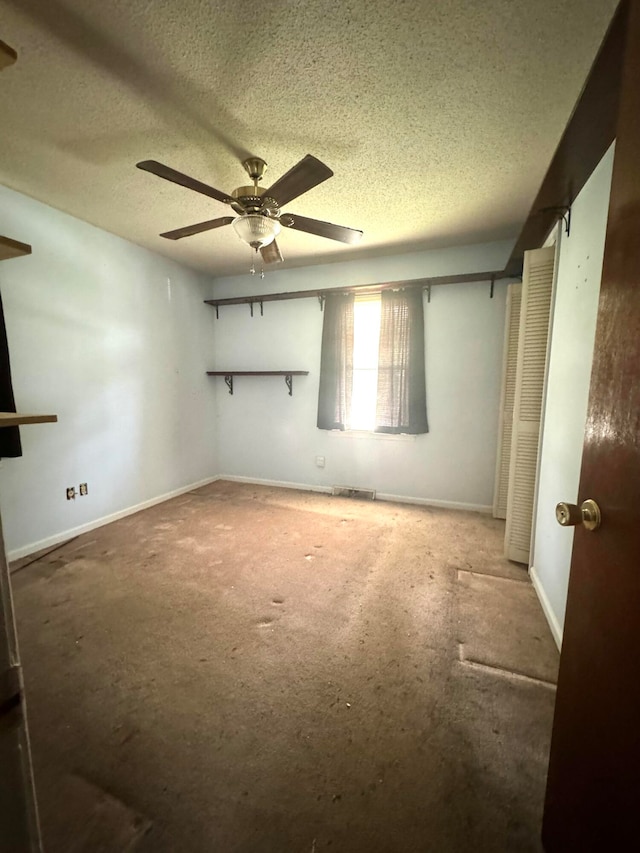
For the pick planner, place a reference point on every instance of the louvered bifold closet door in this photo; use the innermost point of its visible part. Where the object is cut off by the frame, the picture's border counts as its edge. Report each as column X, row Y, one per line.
column 537, row 288
column 507, row 397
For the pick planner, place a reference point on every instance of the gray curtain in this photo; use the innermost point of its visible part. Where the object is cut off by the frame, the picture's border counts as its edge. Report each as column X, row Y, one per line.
column 336, row 364
column 402, row 400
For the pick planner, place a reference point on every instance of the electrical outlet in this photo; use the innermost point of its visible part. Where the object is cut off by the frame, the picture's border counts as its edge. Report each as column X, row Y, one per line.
column 71, row 493
column 84, row 489
column 320, row 461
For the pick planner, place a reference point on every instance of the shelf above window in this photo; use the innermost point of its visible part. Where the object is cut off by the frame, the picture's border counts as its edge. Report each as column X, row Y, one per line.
column 376, row 287
column 229, row 374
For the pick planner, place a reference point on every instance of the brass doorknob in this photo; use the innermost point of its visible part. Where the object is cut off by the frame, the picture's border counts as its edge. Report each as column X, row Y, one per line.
column 588, row 514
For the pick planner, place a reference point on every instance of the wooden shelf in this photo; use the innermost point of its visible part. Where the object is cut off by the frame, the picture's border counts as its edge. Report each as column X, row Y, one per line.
column 12, row 248
column 229, row 374
column 257, row 372
column 7, row 55
column 8, row 419
column 424, row 283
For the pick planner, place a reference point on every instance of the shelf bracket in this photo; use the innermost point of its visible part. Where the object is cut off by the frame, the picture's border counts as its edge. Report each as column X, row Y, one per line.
column 428, row 292
column 493, row 281
column 261, row 309
column 564, row 213
column 289, row 381
column 321, row 299
column 217, row 315
column 251, row 308
column 229, row 380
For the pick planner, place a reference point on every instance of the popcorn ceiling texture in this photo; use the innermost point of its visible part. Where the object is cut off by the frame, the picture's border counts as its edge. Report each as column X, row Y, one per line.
column 439, row 119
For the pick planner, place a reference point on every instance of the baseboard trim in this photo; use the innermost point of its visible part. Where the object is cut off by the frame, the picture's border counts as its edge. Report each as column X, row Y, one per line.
column 554, row 625
column 63, row 536
column 402, row 499
column 279, row 484
column 305, row 487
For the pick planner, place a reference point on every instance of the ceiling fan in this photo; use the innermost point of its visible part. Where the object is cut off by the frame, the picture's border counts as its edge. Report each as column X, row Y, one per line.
column 259, row 220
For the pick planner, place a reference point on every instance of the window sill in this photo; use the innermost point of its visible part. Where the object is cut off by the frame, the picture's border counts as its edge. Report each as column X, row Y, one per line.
column 366, row 434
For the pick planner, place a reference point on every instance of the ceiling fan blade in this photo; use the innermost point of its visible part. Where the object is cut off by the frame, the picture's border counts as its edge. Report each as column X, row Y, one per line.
column 325, row 229
column 304, row 176
column 170, row 174
column 271, row 254
column 188, row 230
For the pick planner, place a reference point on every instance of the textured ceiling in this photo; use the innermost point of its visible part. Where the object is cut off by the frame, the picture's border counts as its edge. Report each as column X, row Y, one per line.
column 438, row 118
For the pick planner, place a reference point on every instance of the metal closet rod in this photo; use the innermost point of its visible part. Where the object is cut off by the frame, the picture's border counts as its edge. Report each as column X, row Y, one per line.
column 492, row 275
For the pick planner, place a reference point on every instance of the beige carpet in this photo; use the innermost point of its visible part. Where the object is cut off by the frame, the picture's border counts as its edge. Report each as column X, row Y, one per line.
column 254, row 669
column 81, row 818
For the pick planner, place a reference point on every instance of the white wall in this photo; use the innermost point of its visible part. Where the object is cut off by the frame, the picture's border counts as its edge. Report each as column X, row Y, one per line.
column 115, row 340
column 263, row 434
column 569, row 371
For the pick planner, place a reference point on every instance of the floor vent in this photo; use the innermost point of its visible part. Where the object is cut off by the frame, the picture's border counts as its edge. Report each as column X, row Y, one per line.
column 352, row 492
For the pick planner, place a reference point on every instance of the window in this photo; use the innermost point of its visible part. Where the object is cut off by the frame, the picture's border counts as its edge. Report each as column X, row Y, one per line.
column 366, row 344
column 372, row 371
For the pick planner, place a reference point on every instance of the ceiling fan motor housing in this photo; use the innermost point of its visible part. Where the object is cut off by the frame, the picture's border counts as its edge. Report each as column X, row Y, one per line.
column 254, row 200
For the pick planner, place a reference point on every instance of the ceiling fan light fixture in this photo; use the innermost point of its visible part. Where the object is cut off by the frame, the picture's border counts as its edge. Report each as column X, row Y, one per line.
column 256, row 230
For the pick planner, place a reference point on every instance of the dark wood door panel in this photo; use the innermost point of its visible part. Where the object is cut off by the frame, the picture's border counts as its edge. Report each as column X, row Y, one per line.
column 593, row 786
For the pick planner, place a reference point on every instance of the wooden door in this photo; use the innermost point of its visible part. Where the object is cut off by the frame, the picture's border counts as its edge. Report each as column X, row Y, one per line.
column 593, row 788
